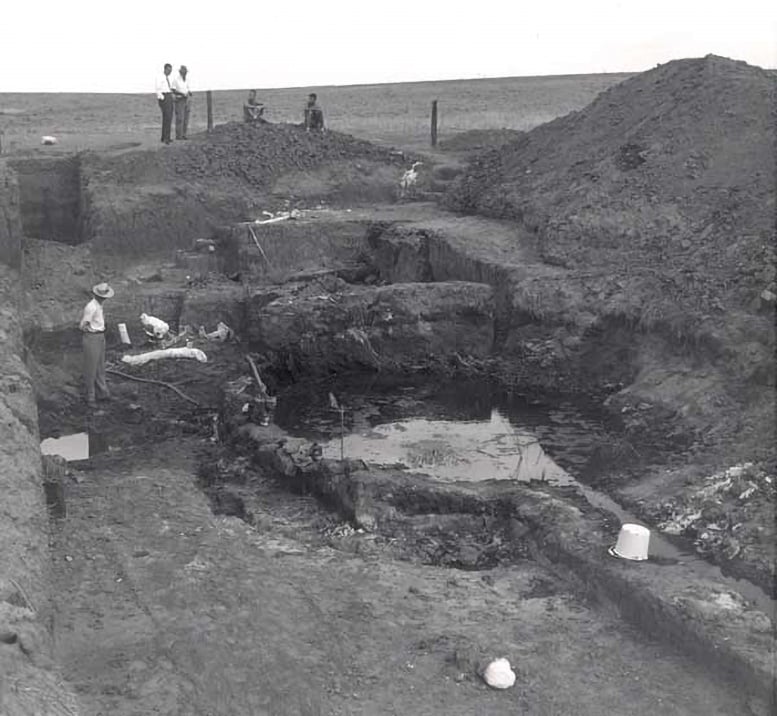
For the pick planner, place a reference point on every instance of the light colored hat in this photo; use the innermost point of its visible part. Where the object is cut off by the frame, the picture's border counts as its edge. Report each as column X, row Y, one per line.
column 102, row 290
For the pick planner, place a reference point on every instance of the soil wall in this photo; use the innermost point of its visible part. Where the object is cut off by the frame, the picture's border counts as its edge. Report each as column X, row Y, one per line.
column 10, row 226
column 30, row 684
column 50, row 191
column 379, row 327
column 569, row 328
column 285, row 248
column 155, row 219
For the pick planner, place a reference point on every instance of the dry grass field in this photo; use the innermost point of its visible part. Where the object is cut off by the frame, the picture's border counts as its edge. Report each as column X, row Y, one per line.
column 396, row 114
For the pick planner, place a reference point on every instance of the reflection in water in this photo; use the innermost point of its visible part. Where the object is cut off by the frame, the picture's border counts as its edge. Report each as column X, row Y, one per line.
column 471, row 450
column 71, row 447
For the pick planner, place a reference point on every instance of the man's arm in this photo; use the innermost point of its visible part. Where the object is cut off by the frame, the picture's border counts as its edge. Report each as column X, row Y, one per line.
column 86, row 318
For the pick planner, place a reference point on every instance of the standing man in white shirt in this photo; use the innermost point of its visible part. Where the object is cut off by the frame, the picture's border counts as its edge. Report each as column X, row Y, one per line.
column 181, row 93
column 92, row 325
column 164, row 95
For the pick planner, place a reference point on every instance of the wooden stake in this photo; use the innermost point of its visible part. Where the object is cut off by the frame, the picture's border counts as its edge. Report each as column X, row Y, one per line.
column 342, row 434
column 434, row 122
column 209, row 101
column 258, row 245
column 260, row 386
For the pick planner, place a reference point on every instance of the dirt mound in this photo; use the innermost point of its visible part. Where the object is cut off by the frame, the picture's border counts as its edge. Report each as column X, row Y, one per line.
column 249, row 154
column 668, row 176
column 479, row 140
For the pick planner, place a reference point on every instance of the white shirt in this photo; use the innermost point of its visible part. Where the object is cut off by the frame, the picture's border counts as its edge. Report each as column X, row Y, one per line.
column 93, row 320
column 181, row 86
column 163, row 86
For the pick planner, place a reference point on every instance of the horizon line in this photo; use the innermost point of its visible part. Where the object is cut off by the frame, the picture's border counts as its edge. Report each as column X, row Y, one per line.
column 347, row 84
column 398, row 82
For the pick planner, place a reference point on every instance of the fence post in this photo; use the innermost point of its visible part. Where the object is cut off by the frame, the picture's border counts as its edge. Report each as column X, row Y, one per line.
column 434, row 122
column 209, row 101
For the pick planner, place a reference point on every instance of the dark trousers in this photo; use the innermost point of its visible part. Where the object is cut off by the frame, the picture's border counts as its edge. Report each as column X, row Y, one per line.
column 181, row 117
column 94, row 365
column 166, row 105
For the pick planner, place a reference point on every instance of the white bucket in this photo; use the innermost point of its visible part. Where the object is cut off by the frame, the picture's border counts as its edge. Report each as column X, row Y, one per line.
column 124, row 335
column 632, row 543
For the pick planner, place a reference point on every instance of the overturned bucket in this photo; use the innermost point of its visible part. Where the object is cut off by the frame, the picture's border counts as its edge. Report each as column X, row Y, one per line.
column 632, row 543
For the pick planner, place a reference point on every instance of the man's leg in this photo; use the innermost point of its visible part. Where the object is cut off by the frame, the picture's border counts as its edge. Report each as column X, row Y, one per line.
column 179, row 112
column 168, row 117
column 99, row 379
column 187, row 109
column 162, row 108
column 91, row 356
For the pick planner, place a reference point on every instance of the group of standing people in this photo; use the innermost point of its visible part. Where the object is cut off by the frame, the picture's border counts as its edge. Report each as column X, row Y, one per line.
column 174, row 97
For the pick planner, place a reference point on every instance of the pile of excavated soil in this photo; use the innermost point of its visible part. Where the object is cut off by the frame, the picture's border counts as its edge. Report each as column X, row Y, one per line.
column 666, row 181
column 251, row 154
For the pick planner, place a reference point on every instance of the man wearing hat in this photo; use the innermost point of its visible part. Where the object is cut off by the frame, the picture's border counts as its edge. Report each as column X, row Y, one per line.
column 92, row 325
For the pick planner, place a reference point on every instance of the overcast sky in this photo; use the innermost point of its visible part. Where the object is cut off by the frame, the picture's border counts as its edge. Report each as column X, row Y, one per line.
column 105, row 46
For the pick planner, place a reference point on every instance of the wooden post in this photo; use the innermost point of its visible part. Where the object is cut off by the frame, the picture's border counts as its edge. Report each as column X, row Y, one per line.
column 434, row 122
column 209, row 101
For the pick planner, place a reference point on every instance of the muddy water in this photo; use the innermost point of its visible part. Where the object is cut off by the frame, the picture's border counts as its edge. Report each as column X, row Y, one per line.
column 473, row 432
column 454, row 431
column 465, row 450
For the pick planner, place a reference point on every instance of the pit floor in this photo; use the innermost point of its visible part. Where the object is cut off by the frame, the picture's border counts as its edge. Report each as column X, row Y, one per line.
column 164, row 608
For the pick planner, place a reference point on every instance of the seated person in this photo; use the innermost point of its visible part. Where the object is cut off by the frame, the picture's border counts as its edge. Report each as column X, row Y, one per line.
column 314, row 115
column 253, row 110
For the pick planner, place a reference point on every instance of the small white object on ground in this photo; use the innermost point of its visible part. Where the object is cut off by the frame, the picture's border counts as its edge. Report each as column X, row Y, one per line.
column 499, row 674
column 280, row 216
column 153, row 326
column 125, row 339
column 143, row 358
column 48, row 139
